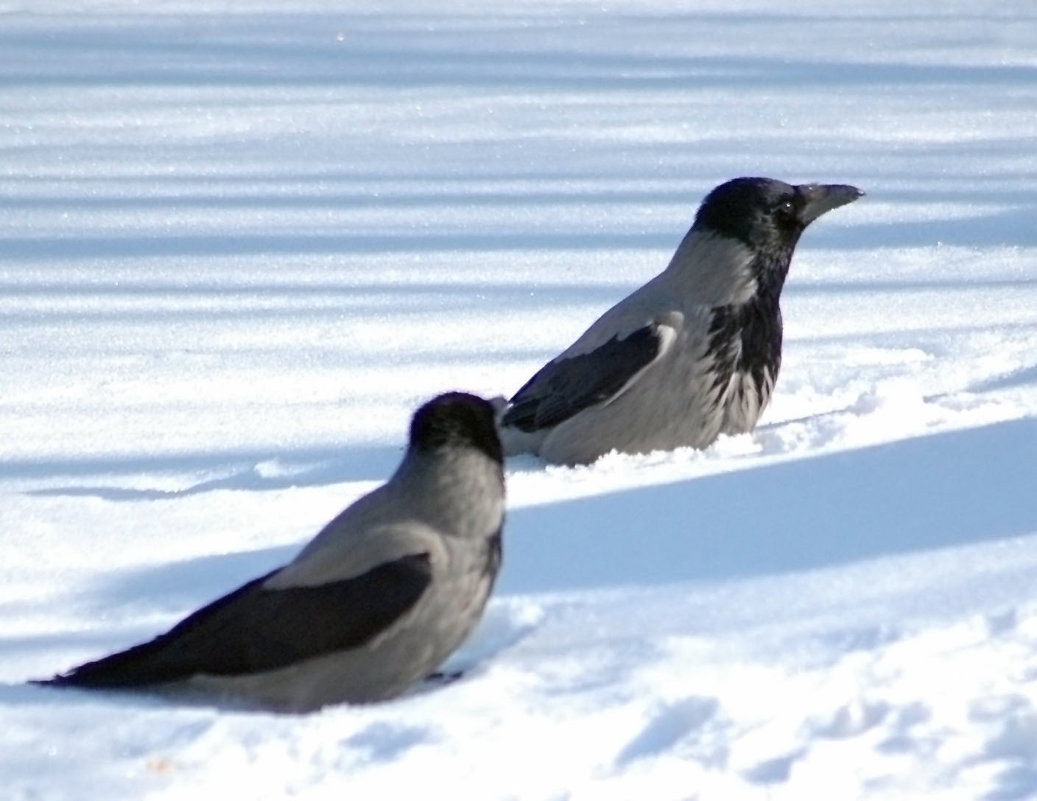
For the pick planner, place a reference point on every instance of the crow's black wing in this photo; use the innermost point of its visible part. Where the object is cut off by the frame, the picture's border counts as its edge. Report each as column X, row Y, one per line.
column 568, row 385
column 254, row 629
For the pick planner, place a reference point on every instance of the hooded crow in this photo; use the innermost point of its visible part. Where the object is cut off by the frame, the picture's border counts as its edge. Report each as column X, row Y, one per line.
column 691, row 354
column 374, row 603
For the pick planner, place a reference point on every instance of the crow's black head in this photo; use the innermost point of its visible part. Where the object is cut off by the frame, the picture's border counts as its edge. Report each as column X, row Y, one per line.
column 456, row 419
column 768, row 215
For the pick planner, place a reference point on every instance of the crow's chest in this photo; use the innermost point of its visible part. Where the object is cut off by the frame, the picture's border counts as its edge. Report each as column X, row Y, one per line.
column 744, row 347
column 746, row 338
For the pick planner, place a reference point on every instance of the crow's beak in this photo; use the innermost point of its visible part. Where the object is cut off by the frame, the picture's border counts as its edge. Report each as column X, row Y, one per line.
column 819, row 198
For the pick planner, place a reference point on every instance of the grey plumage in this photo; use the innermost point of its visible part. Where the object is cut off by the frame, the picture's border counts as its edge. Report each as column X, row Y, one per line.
column 374, row 603
column 693, row 353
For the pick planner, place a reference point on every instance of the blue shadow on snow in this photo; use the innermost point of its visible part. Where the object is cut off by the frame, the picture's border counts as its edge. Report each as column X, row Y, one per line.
column 928, row 492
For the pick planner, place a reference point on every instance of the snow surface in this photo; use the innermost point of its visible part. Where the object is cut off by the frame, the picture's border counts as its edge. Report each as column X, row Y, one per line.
column 241, row 241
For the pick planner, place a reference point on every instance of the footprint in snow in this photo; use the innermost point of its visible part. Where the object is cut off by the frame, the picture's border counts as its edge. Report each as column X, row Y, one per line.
column 850, row 719
column 382, row 742
column 669, row 726
column 772, row 771
column 1011, row 721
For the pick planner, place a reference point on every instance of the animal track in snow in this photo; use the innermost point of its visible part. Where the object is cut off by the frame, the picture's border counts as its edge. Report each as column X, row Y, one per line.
column 669, row 726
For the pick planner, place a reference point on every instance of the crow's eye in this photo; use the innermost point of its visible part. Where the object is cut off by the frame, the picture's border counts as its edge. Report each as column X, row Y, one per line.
column 787, row 207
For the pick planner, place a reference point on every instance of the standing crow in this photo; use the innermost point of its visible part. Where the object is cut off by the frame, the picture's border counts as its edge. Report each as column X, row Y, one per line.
column 376, row 602
column 691, row 354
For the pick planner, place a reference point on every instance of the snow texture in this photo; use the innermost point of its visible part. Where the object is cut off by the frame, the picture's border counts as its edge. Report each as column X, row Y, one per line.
column 242, row 241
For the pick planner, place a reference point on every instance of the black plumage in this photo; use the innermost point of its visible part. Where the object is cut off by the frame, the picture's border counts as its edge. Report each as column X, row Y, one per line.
column 561, row 389
column 254, row 629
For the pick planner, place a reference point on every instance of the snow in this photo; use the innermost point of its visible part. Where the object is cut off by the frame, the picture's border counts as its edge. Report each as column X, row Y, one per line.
column 243, row 241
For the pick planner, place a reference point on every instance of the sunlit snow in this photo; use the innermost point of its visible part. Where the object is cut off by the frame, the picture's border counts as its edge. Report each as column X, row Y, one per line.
column 241, row 242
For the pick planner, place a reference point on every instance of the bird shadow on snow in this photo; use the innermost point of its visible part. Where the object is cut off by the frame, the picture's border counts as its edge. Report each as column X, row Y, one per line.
column 258, row 471
column 928, row 492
